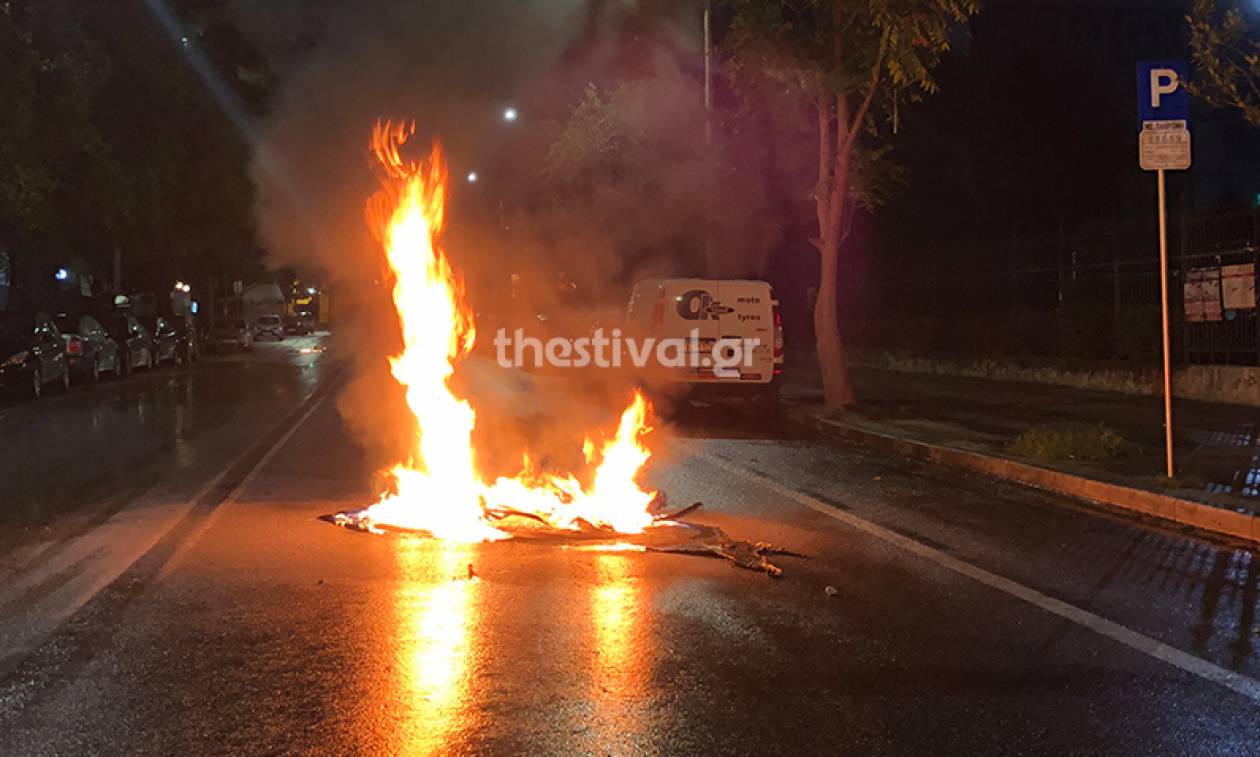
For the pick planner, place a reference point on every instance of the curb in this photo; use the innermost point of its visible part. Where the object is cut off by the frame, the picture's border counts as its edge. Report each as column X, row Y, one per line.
column 1184, row 512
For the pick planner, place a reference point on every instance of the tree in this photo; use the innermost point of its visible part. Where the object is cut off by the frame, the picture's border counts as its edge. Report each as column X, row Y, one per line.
column 593, row 148
column 26, row 179
column 1226, row 59
column 852, row 60
column 185, row 196
column 108, row 141
column 621, row 164
column 53, row 155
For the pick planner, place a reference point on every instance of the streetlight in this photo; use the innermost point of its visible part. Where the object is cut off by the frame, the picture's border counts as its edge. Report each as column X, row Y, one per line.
column 62, row 274
column 510, row 115
column 472, row 177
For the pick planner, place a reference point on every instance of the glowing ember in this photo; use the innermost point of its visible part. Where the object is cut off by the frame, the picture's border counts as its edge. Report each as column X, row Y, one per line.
column 439, row 489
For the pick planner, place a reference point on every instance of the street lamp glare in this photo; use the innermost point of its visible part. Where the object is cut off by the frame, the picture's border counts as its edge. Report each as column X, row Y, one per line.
column 510, row 114
column 472, row 177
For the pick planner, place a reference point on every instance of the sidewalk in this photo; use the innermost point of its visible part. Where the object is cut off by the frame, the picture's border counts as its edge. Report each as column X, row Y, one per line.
column 971, row 422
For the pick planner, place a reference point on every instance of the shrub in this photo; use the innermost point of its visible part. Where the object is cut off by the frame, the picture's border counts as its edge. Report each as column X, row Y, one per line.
column 1070, row 442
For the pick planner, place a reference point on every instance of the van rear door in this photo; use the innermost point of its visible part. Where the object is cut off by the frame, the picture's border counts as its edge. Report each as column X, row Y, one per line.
column 746, row 314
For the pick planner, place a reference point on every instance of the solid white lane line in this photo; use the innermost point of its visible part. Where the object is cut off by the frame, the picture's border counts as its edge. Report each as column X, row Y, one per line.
column 1248, row 687
column 279, row 445
column 213, row 516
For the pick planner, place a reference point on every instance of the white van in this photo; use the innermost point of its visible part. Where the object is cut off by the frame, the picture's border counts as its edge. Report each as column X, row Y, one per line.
column 732, row 329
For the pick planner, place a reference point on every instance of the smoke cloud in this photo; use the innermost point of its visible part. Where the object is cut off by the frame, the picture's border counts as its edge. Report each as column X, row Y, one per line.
column 560, row 263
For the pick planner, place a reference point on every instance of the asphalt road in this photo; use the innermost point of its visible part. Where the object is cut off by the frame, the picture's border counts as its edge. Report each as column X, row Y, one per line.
column 203, row 609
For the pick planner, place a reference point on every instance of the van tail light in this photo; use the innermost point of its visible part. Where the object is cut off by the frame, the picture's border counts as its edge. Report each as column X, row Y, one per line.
column 778, row 333
column 74, row 346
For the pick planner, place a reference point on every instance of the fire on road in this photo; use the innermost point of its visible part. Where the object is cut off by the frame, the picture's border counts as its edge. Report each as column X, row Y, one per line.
column 252, row 626
column 439, row 491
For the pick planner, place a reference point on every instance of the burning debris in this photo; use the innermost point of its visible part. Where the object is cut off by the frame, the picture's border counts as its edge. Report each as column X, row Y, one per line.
column 665, row 534
column 439, row 490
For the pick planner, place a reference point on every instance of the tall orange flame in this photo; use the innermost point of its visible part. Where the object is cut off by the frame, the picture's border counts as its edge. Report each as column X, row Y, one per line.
column 439, row 489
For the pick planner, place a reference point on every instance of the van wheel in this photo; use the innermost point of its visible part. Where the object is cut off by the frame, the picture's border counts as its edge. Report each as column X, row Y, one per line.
column 37, row 385
column 96, row 370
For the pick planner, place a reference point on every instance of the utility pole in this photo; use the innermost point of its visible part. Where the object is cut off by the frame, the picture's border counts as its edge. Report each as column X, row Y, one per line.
column 708, row 73
column 708, row 136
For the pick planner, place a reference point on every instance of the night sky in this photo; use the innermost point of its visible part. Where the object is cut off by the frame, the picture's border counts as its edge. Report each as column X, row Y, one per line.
column 1035, row 127
column 1033, row 130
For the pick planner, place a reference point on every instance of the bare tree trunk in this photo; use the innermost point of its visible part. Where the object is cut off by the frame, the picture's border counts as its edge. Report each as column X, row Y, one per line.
column 837, row 392
column 830, row 198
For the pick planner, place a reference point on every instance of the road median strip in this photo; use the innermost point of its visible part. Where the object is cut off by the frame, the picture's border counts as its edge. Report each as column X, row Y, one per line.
column 1184, row 512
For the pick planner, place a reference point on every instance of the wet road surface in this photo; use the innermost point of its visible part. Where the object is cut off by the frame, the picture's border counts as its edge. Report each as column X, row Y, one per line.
column 964, row 615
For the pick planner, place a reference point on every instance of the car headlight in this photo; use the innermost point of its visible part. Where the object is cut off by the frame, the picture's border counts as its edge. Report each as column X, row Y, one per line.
column 17, row 359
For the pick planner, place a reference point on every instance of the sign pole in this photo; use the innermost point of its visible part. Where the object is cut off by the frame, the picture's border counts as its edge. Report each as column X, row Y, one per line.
column 1164, row 145
column 1163, row 290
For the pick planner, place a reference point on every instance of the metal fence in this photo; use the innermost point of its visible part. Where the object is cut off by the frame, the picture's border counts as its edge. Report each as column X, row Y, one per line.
column 1092, row 294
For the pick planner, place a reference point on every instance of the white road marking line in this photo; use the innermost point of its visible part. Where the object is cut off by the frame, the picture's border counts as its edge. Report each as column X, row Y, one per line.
column 213, row 516
column 22, row 582
column 1244, row 685
column 279, row 445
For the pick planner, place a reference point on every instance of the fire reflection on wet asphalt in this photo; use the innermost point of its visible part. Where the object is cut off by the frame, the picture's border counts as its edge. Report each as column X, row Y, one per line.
column 437, row 604
column 621, row 665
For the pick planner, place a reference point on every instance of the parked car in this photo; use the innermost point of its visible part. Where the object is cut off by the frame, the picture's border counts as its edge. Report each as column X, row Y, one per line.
column 189, row 338
column 165, row 340
column 90, row 349
column 234, row 332
column 32, row 354
column 269, row 325
column 296, row 324
column 134, row 342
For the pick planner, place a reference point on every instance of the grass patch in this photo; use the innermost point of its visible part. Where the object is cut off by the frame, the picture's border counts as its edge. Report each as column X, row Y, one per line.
column 1084, row 442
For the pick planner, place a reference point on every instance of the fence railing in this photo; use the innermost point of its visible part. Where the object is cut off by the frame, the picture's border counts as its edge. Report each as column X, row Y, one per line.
column 1092, row 294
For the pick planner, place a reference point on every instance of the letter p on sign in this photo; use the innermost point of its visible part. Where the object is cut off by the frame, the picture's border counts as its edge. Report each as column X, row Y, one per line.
column 1164, row 81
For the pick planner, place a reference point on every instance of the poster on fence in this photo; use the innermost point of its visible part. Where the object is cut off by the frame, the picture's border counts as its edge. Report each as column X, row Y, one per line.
column 1202, row 293
column 1238, row 286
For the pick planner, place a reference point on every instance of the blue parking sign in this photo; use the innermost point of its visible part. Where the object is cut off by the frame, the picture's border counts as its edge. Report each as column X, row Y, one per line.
column 1162, row 94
